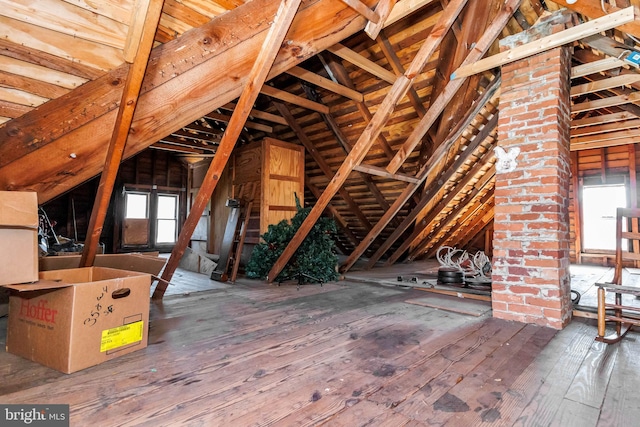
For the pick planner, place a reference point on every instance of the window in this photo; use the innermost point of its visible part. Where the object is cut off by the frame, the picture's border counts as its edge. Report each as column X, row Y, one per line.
column 599, row 204
column 136, row 206
column 167, row 218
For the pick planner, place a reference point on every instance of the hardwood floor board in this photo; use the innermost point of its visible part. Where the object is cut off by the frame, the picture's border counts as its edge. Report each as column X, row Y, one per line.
column 590, row 383
column 371, row 367
column 620, row 406
column 452, row 364
column 150, row 384
column 574, row 414
column 473, row 398
column 431, row 361
column 306, row 337
column 364, row 370
column 365, row 413
column 534, row 397
column 299, row 382
column 342, row 354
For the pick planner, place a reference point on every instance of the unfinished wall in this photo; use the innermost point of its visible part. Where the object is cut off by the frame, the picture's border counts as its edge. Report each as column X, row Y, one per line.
column 600, row 165
column 531, row 281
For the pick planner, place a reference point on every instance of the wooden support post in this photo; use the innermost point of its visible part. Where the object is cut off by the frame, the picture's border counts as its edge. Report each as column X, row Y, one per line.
column 575, row 181
column 370, row 133
column 270, row 47
column 149, row 19
column 633, row 192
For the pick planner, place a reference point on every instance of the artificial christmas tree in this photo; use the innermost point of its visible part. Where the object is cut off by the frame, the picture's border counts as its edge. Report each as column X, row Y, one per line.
column 314, row 261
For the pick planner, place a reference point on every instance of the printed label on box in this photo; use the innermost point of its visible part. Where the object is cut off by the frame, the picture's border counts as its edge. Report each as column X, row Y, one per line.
column 120, row 336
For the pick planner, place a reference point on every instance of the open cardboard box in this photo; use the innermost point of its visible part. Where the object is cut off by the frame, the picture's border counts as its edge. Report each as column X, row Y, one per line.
column 77, row 318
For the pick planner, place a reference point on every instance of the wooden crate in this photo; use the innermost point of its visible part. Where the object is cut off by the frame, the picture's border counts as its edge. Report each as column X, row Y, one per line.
column 277, row 169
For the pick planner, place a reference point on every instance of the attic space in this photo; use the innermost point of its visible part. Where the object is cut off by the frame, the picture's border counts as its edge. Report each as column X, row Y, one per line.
column 397, row 110
column 465, row 151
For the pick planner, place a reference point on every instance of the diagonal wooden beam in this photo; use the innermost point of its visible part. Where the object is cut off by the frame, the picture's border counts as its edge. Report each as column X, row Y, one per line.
column 147, row 17
column 337, row 71
column 324, row 166
column 386, row 48
column 258, row 75
column 378, row 171
column 285, row 96
column 427, row 198
column 429, row 169
column 370, row 133
column 438, row 105
column 461, row 212
column 569, row 35
column 363, row 10
column 383, row 10
column 325, row 83
column 346, row 145
column 416, row 240
column 594, row 9
column 362, row 62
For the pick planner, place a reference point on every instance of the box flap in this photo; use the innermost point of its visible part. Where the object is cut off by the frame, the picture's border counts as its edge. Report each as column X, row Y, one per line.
column 131, row 262
column 40, row 285
column 19, row 209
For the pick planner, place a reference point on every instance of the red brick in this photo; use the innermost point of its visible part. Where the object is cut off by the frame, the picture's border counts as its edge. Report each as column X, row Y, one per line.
column 526, row 309
column 497, row 305
column 523, row 289
column 543, row 263
column 543, row 302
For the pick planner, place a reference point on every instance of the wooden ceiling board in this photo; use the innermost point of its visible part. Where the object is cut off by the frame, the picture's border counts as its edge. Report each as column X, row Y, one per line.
column 50, row 48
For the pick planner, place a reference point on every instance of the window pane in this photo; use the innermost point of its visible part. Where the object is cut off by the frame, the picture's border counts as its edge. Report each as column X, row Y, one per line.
column 166, row 231
column 136, row 206
column 167, row 207
column 599, row 204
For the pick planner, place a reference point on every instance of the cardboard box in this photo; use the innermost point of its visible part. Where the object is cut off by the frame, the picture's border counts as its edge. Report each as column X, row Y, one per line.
column 143, row 263
column 77, row 318
column 18, row 237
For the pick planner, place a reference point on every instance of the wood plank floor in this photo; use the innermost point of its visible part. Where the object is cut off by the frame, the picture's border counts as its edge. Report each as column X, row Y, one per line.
column 344, row 354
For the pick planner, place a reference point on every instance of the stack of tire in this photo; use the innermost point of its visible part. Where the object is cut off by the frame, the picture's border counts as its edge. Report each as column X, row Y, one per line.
column 448, row 276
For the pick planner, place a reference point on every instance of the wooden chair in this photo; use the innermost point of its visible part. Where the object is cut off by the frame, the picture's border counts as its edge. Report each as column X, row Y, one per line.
column 622, row 316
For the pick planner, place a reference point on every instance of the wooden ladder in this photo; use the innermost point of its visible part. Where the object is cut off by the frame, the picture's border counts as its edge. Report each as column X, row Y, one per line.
column 234, row 235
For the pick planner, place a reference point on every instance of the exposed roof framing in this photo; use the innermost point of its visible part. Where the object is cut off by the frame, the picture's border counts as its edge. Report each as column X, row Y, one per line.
column 398, row 152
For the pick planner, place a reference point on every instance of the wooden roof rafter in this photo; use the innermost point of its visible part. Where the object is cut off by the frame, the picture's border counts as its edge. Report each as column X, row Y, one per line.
column 415, row 236
column 138, row 49
column 439, row 104
column 460, row 212
column 324, row 167
column 427, row 171
column 257, row 77
column 369, row 135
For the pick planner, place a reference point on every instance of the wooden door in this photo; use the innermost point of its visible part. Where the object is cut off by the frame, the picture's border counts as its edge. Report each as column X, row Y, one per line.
column 282, row 179
column 135, row 230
